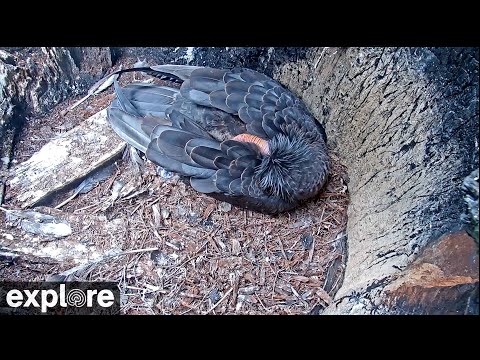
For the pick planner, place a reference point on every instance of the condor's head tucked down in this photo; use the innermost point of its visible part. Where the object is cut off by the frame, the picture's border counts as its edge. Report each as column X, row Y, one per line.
column 238, row 135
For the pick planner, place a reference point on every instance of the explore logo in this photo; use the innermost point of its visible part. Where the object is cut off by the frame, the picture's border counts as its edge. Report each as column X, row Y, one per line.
column 59, row 298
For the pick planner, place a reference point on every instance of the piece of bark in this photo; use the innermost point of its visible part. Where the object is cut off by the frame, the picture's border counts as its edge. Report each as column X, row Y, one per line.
column 37, row 223
column 65, row 161
column 446, row 273
column 71, row 249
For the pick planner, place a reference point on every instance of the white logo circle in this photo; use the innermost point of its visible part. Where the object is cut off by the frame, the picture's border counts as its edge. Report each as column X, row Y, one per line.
column 76, row 297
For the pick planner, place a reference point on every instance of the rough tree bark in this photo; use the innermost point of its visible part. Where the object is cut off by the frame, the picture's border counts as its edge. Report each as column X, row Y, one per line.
column 34, row 80
column 405, row 123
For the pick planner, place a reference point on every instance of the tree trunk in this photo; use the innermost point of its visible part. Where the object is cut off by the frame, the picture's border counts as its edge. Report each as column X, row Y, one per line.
column 34, row 80
column 405, row 123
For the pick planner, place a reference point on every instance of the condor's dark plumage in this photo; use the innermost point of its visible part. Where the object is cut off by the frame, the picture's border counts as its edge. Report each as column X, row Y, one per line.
column 238, row 135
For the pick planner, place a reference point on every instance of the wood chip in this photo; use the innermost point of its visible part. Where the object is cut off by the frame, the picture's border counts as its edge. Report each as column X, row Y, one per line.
column 230, row 262
column 157, row 218
column 261, row 280
column 236, row 248
column 208, row 210
column 249, row 290
column 322, row 294
column 224, row 206
column 249, row 277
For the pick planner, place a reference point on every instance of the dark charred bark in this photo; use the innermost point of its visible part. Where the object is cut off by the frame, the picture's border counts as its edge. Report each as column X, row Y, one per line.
column 34, row 80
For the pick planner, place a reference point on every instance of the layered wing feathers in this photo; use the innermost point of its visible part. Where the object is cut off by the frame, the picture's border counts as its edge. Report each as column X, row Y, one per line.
column 189, row 130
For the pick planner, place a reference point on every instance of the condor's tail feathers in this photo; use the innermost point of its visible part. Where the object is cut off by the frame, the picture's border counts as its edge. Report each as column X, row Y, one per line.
column 175, row 73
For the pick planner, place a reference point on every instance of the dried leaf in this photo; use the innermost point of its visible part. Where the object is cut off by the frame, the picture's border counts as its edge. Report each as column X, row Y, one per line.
column 322, row 294
column 208, row 210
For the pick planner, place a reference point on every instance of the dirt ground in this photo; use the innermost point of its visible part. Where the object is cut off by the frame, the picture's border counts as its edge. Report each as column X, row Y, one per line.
column 175, row 251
